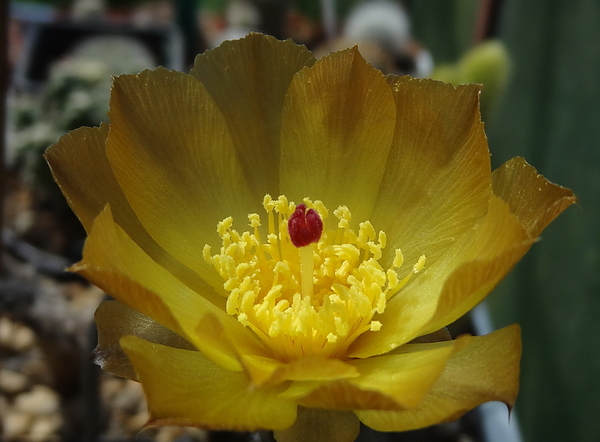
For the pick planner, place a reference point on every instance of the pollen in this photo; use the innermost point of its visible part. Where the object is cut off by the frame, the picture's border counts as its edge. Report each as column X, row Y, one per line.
column 315, row 299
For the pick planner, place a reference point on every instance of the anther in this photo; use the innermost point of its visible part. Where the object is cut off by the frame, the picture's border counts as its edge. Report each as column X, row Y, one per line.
column 304, row 226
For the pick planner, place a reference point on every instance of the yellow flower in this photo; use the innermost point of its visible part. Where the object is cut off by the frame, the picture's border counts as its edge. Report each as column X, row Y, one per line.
column 186, row 197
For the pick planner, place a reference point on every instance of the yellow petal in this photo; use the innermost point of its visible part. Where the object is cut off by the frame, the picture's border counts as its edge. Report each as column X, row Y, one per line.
column 170, row 150
column 534, row 202
column 221, row 341
column 394, row 381
column 341, row 395
column 471, row 283
column 184, row 388
column 337, row 126
column 81, row 169
column 437, row 181
column 454, row 284
column 315, row 424
column 485, row 370
column 405, row 377
column 261, row 369
column 268, row 370
column 530, row 196
column 115, row 320
column 113, row 262
column 248, row 80
column 319, row 369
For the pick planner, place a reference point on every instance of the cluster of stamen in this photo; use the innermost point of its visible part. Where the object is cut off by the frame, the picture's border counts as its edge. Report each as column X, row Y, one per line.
column 314, row 299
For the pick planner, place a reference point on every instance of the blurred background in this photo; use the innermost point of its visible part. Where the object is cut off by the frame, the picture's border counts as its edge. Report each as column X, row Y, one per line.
column 539, row 62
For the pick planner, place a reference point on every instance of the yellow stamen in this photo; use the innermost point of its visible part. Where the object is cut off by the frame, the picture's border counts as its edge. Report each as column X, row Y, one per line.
column 315, row 299
column 307, row 269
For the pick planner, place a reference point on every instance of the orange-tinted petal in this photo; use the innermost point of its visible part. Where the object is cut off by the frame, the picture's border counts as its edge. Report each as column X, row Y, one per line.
column 485, row 370
column 183, row 387
column 453, row 284
column 170, row 150
column 437, row 180
column 337, row 126
column 113, row 262
column 248, row 80
column 531, row 197
column 81, row 169
column 316, row 424
column 115, row 320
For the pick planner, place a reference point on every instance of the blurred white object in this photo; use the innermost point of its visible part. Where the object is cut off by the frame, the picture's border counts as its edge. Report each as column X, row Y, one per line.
column 386, row 24
column 329, row 18
column 242, row 18
column 423, row 63
column 382, row 22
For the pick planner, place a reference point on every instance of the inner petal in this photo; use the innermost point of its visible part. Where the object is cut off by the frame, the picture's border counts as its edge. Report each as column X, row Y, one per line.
column 313, row 299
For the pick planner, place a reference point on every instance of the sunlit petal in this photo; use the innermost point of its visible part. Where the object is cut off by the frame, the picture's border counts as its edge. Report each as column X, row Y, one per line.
column 184, row 388
column 113, row 262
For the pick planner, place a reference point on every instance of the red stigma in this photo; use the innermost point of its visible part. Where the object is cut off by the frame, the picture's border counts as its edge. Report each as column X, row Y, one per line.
column 304, row 226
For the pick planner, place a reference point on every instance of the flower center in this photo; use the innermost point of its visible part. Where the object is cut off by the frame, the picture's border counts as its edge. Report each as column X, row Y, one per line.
column 306, row 290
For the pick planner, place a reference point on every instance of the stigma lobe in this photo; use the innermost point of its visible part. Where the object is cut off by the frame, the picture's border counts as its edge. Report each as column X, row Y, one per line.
column 304, row 226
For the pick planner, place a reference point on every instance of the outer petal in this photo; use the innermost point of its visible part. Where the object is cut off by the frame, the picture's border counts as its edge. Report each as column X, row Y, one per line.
column 109, row 255
column 171, row 152
column 452, row 285
column 115, row 320
column 485, row 370
column 337, row 126
column 476, row 263
column 316, row 424
column 530, row 196
column 248, row 80
column 81, row 169
column 184, row 388
column 394, row 381
column 406, row 376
